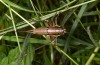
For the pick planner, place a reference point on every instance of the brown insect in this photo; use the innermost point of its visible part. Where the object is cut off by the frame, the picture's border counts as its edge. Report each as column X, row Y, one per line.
column 52, row 30
column 48, row 31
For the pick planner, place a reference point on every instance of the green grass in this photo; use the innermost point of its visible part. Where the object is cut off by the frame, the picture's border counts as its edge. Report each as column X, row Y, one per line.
column 78, row 46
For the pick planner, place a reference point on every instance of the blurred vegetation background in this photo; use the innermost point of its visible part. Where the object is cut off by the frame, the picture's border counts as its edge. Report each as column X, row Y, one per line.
column 78, row 46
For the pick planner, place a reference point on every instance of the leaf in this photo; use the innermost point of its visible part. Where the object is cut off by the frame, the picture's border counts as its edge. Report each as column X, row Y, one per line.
column 17, row 6
column 13, row 55
column 29, row 55
column 13, row 63
column 31, row 40
column 47, row 61
column 2, row 55
column 4, row 61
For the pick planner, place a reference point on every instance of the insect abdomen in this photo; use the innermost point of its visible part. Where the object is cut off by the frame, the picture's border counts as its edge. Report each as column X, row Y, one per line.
column 49, row 31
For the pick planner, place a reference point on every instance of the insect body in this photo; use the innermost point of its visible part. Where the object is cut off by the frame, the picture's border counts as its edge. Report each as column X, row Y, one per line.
column 52, row 30
column 48, row 31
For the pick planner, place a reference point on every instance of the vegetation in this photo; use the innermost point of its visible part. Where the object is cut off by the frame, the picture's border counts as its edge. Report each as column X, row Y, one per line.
column 78, row 46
